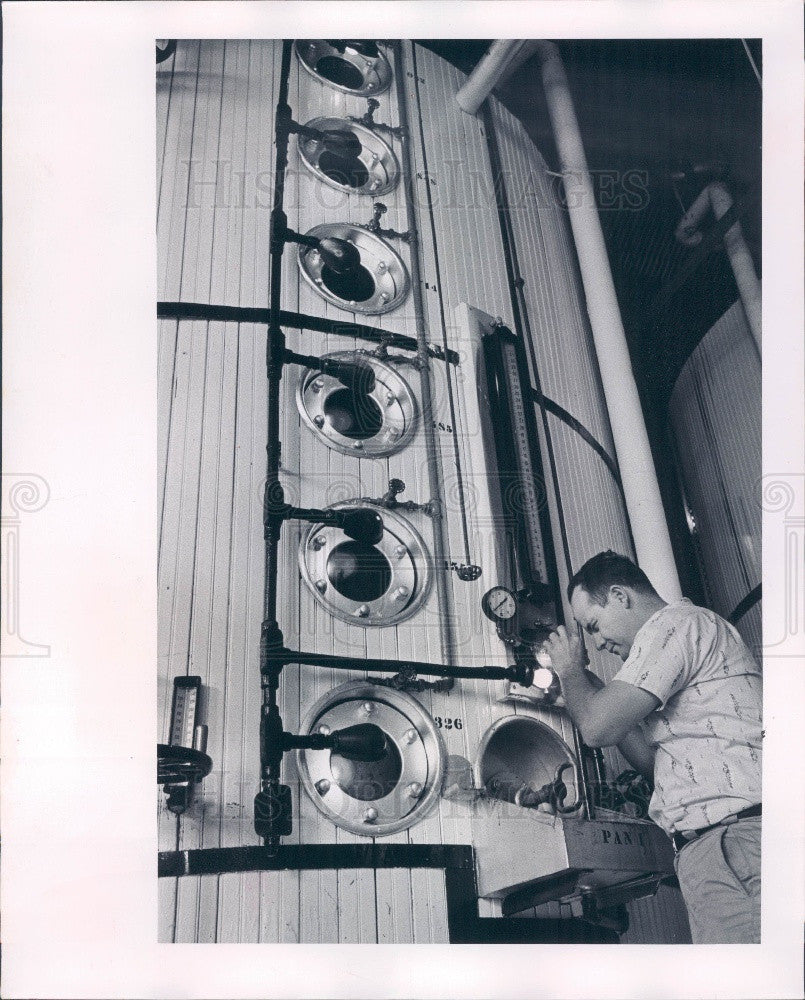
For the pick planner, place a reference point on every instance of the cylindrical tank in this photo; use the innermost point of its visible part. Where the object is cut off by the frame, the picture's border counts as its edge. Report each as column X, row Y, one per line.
column 715, row 423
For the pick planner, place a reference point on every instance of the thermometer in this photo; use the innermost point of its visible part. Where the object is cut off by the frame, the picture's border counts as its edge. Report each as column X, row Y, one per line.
column 183, row 710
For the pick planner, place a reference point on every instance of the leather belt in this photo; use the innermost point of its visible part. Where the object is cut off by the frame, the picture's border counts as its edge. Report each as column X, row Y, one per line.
column 683, row 837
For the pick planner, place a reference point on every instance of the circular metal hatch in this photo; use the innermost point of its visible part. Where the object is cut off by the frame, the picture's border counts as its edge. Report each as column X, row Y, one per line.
column 374, row 171
column 382, row 797
column 366, row 585
column 370, row 426
column 364, row 73
column 378, row 285
column 520, row 750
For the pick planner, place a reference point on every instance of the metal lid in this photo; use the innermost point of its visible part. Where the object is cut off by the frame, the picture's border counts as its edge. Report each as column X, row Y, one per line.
column 380, row 283
column 365, row 74
column 366, row 585
column 383, row 797
column 374, row 171
column 384, row 423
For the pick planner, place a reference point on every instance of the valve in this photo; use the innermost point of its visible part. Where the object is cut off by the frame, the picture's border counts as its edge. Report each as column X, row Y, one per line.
column 368, row 120
column 390, row 502
column 511, row 788
column 373, row 225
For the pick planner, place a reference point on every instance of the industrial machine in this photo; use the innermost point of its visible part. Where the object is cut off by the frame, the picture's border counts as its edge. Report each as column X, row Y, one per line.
column 383, row 451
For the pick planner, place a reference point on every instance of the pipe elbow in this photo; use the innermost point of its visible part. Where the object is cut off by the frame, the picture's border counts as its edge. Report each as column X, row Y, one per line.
column 715, row 197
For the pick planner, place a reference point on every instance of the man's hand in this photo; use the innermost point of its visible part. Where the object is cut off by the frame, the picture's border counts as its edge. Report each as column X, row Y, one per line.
column 567, row 652
column 605, row 714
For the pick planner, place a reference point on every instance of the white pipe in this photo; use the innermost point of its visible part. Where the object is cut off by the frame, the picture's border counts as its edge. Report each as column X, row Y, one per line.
column 717, row 197
column 641, row 490
column 501, row 59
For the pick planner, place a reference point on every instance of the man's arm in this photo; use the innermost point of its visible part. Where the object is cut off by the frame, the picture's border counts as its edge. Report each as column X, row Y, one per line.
column 634, row 746
column 604, row 715
column 638, row 752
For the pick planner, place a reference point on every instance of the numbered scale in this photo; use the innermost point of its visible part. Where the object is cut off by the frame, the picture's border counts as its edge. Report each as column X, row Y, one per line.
column 515, row 435
column 183, row 762
column 183, row 711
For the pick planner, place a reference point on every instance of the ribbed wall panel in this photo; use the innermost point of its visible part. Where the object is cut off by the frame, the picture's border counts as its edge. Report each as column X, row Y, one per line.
column 715, row 422
column 215, row 134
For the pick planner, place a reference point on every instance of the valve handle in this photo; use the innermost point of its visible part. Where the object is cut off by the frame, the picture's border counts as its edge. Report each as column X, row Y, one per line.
column 559, row 792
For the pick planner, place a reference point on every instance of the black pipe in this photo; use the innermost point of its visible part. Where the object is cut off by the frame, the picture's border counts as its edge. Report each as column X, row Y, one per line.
column 298, row 321
column 272, row 813
column 521, row 672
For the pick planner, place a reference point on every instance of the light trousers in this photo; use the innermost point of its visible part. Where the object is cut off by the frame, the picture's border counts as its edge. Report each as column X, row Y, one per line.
column 719, row 875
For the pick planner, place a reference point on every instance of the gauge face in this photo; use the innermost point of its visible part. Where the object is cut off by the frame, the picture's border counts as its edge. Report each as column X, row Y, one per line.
column 499, row 604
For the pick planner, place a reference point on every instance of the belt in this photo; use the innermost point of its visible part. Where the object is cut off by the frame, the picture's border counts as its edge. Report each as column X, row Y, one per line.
column 683, row 837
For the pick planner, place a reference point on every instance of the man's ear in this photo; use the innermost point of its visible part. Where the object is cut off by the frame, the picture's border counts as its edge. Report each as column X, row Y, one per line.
column 620, row 595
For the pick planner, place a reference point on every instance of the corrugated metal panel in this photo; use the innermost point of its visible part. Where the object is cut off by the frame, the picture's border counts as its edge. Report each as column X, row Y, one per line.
column 715, row 422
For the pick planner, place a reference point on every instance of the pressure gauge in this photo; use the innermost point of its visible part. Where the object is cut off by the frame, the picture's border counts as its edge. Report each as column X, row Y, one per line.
column 499, row 604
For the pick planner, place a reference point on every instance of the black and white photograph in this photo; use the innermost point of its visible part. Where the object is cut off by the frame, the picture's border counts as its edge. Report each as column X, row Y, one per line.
column 375, row 274
column 449, row 546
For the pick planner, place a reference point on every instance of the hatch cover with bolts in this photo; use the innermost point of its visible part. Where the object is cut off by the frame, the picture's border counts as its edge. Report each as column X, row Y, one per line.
column 377, row 285
column 375, row 170
column 382, row 797
column 352, row 66
column 367, row 585
column 371, row 425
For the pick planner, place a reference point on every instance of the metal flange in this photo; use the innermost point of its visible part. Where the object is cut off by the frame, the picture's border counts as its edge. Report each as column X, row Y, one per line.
column 350, row 71
column 384, row 797
column 374, row 171
column 374, row 426
column 379, row 285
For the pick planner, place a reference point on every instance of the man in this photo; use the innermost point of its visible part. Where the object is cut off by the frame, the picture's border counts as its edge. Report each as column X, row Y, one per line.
column 685, row 708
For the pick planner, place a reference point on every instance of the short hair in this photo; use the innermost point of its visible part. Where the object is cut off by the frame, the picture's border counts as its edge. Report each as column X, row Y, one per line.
column 598, row 574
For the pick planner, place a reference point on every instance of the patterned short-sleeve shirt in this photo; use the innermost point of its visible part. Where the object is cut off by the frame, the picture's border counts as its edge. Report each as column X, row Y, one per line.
column 707, row 728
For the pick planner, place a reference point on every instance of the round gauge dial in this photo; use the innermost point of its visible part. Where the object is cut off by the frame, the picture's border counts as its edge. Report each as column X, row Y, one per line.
column 499, row 604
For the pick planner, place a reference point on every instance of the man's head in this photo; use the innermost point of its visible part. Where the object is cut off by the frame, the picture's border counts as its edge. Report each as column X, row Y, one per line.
column 612, row 599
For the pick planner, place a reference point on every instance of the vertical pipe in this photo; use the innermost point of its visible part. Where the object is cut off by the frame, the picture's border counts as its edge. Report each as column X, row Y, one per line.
column 270, row 636
column 434, row 480
column 640, row 487
column 275, row 343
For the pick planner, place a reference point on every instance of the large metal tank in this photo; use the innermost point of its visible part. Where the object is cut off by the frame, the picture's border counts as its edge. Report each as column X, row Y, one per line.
column 480, row 255
column 715, row 423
